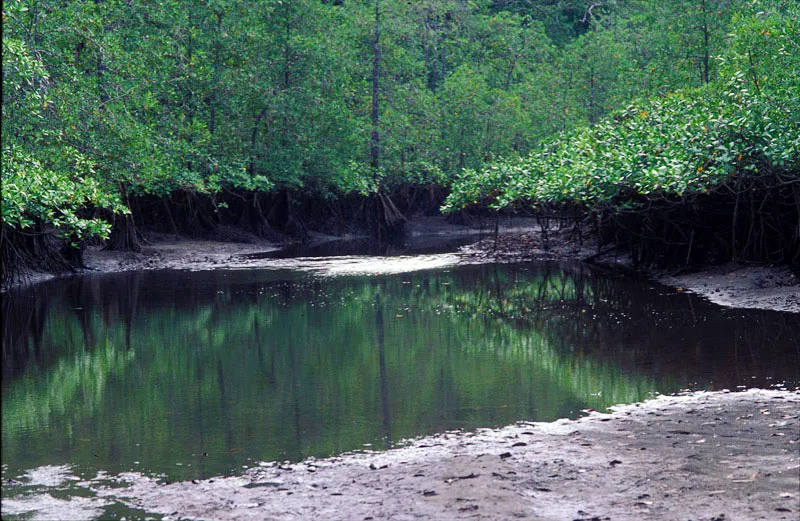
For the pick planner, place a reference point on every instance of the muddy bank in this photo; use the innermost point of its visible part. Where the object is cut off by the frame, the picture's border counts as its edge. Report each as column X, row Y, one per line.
column 703, row 456
column 166, row 251
column 731, row 285
column 742, row 286
column 517, row 240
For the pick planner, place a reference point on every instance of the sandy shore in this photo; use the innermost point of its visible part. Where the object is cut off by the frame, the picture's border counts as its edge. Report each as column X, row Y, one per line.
column 701, row 457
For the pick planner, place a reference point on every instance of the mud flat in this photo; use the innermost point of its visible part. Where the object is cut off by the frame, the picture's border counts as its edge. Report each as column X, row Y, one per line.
column 741, row 286
column 700, row 457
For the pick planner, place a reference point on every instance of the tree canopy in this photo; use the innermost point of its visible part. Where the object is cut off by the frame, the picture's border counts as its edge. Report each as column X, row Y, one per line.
column 501, row 103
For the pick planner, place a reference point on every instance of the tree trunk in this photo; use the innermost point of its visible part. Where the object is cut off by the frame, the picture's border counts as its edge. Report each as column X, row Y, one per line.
column 376, row 72
column 123, row 235
column 212, row 124
column 706, row 51
column 251, row 169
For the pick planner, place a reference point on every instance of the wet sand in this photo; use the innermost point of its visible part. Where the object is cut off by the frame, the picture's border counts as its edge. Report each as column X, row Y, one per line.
column 700, row 457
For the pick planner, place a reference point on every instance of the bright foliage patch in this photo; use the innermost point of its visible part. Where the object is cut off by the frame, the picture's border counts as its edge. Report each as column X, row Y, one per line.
column 682, row 144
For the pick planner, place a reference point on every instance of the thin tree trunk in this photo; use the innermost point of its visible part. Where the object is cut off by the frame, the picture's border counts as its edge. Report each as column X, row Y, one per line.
column 592, row 118
column 706, row 52
column 287, row 65
column 376, row 72
column 251, row 168
column 212, row 124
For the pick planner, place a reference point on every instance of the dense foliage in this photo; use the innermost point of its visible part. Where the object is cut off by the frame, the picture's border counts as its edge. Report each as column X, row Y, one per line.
column 683, row 143
column 232, row 111
column 702, row 174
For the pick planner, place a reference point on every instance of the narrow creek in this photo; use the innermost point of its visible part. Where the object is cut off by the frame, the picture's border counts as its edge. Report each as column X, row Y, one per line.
column 188, row 375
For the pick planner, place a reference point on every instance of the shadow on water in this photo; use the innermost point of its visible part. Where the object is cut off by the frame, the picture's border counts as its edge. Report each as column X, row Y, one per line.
column 197, row 374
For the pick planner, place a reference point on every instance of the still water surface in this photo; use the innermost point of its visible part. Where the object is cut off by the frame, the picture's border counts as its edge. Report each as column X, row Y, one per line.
column 192, row 375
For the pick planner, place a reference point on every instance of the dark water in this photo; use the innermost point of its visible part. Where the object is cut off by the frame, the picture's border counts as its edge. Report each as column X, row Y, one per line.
column 197, row 374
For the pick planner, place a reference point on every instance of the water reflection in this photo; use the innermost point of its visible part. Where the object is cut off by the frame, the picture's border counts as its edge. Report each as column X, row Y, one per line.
column 195, row 374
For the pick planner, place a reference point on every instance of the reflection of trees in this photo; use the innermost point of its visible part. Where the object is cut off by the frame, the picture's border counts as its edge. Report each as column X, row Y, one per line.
column 74, row 387
column 85, row 306
column 237, row 365
column 582, row 310
column 23, row 322
column 386, row 412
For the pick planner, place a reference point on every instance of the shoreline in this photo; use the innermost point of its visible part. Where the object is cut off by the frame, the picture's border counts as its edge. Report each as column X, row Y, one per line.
column 733, row 285
column 705, row 456
column 742, row 286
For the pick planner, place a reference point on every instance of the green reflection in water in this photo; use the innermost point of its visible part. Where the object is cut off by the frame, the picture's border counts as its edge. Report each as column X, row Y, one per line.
column 197, row 374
